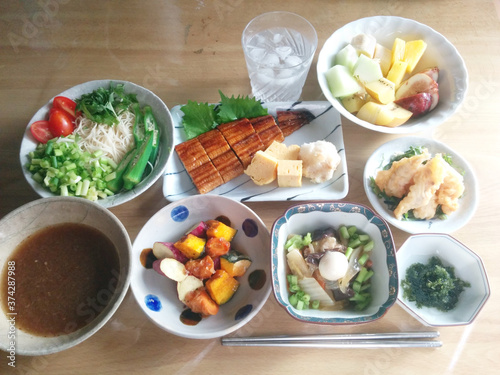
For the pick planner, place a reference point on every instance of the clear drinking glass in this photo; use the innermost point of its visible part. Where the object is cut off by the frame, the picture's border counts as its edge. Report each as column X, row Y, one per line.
column 279, row 48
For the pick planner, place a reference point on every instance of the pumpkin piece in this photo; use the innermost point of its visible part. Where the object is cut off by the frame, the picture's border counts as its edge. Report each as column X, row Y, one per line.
column 235, row 263
column 200, row 302
column 221, row 286
column 217, row 246
column 201, row 268
column 217, row 229
column 191, row 246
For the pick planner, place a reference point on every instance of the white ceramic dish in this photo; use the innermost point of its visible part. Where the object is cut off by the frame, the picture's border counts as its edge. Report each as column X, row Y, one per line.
column 467, row 203
column 144, row 96
column 41, row 213
column 307, row 217
column 467, row 265
column 453, row 76
column 152, row 290
column 177, row 184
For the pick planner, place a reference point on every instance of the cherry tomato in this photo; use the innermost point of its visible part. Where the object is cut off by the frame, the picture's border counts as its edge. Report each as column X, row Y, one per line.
column 60, row 123
column 66, row 104
column 41, row 132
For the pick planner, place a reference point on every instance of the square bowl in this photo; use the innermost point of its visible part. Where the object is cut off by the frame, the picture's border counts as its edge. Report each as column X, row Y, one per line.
column 467, row 266
column 304, row 218
column 440, row 52
column 157, row 295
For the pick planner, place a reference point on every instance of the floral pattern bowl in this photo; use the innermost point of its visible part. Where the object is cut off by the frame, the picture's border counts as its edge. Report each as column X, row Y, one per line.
column 304, row 218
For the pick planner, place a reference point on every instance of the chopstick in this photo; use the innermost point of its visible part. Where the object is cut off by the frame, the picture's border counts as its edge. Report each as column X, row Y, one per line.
column 354, row 340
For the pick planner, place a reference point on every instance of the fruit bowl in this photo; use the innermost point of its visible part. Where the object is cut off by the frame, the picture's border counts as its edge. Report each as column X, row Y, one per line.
column 304, row 218
column 144, row 96
column 452, row 78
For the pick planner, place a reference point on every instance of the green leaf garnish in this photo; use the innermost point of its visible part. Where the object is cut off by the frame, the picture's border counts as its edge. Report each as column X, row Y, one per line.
column 232, row 108
column 198, row 118
column 201, row 117
column 105, row 105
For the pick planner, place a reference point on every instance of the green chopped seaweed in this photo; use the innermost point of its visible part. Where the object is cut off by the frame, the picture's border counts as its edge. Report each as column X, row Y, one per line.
column 433, row 285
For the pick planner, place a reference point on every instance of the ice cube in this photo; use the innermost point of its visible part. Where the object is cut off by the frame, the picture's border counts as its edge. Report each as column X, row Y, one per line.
column 293, row 61
column 257, row 53
column 277, row 38
column 283, row 51
column 270, row 60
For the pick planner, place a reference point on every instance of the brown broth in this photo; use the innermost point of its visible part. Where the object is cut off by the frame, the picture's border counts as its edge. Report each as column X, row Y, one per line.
column 65, row 275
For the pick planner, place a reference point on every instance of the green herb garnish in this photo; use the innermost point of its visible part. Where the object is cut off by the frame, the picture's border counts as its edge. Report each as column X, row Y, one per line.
column 103, row 106
column 201, row 117
column 433, row 285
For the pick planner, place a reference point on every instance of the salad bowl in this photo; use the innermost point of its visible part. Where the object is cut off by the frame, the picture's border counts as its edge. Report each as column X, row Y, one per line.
column 144, row 97
column 440, row 52
column 307, row 217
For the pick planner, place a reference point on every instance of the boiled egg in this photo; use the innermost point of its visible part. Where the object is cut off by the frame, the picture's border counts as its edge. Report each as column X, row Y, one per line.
column 333, row 265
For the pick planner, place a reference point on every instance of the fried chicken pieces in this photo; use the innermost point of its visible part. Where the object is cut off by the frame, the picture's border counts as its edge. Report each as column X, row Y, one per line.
column 424, row 183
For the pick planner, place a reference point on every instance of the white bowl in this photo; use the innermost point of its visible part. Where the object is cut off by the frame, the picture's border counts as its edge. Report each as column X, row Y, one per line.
column 467, row 203
column 168, row 225
column 307, row 217
column 453, row 76
column 468, row 266
column 144, row 96
column 39, row 214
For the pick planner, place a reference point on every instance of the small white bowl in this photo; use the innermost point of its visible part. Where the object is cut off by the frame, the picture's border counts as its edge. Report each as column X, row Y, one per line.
column 467, row 203
column 307, row 217
column 468, row 266
column 39, row 214
column 453, row 76
column 152, row 290
column 144, row 96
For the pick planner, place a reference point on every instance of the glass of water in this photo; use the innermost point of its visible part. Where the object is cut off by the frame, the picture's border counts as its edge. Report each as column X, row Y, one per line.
column 279, row 48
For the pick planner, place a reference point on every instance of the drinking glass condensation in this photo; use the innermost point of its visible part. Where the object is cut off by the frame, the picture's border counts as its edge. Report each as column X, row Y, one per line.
column 279, row 48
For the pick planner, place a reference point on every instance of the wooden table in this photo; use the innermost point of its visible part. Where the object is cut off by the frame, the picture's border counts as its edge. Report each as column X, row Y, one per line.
column 188, row 50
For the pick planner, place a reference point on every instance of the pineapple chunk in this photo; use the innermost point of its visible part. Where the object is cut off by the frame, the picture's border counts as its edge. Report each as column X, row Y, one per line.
column 382, row 90
column 219, row 229
column 398, row 50
column 191, row 246
column 384, row 56
column 397, row 72
column 414, row 50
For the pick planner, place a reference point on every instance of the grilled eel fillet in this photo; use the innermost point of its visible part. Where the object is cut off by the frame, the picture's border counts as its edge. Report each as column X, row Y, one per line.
column 198, row 165
column 221, row 154
column 267, row 129
column 290, row 121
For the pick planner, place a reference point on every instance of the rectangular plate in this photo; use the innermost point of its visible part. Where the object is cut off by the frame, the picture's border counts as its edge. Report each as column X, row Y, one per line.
column 326, row 126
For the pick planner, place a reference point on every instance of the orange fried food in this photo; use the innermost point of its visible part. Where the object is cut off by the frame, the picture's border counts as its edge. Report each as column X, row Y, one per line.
column 200, row 302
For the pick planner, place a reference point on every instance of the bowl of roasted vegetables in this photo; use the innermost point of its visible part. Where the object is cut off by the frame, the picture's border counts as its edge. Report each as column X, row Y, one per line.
column 200, row 266
column 333, row 263
column 392, row 74
column 106, row 141
column 442, row 281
